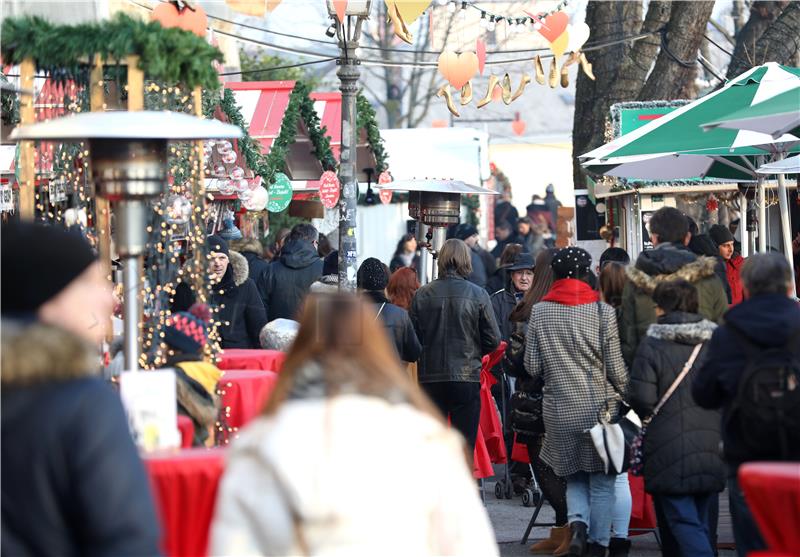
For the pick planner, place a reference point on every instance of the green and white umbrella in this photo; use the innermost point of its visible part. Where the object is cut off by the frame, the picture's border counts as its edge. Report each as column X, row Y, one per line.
column 790, row 165
column 675, row 147
column 775, row 116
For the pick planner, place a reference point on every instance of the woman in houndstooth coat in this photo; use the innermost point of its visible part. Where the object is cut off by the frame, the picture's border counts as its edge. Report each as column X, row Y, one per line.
column 563, row 348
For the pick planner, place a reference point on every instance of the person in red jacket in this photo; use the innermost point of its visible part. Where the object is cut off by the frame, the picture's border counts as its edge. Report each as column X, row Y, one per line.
column 733, row 261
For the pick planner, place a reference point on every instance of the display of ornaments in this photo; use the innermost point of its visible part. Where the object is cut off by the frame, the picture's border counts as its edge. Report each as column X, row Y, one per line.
column 237, row 173
column 179, row 209
column 229, row 157
column 224, row 147
column 220, row 172
column 227, row 187
column 257, row 201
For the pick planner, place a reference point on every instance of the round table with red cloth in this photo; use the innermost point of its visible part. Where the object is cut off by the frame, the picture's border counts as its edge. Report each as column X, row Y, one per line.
column 184, row 487
column 244, row 394
column 772, row 490
column 241, row 358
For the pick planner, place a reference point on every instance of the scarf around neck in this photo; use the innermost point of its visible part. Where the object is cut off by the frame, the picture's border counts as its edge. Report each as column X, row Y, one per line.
column 571, row 292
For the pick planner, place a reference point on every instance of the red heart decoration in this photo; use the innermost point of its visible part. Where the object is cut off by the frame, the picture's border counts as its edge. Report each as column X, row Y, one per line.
column 458, row 68
column 553, row 25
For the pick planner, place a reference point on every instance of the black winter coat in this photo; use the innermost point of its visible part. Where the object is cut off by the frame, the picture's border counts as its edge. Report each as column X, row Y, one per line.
column 767, row 320
column 702, row 244
column 243, row 314
column 256, row 265
column 455, row 323
column 72, row 480
column 288, row 280
column 478, row 275
column 503, row 303
column 398, row 327
column 681, row 447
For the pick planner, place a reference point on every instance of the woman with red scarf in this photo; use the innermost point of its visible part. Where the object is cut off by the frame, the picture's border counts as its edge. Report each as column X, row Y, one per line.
column 583, row 375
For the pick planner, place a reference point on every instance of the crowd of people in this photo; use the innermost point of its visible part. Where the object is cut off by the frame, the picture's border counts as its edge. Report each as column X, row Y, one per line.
column 370, row 383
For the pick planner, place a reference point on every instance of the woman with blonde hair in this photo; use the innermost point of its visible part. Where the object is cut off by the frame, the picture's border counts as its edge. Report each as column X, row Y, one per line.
column 344, row 417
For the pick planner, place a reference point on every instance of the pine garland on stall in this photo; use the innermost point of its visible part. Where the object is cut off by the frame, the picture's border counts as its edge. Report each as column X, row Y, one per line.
column 166, row 55
column 367, row 120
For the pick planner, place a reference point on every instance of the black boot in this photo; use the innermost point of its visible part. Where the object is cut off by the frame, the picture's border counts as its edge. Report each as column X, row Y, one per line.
column 619, row 547
column 577, row 547
column 596, row 550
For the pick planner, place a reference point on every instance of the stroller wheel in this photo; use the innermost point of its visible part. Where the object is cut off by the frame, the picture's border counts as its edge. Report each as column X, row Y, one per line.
column 530, row 498
column 498, row 489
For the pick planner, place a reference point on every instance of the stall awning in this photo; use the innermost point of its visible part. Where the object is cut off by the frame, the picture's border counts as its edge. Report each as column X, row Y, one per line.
column 263, row 105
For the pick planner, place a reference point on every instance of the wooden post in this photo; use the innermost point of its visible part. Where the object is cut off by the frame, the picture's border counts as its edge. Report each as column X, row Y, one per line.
column 102, row 210
column 135, row 84
column 197, row 100
column 27, row 172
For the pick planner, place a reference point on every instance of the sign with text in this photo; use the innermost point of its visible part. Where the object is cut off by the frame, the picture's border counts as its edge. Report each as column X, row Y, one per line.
column 329, row 189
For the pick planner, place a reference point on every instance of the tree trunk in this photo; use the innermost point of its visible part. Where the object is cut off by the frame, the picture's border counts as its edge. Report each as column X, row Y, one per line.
column 762, row 15
column 608, row 21
column 685, row 30
column 781, row 41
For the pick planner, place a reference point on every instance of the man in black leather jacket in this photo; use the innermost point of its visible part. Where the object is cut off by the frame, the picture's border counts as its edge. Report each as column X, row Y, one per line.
column 456, row 326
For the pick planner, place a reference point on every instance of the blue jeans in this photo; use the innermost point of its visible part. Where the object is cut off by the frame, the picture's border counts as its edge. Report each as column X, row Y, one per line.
column 590, row 499
column 685, row 520
column 745, row 530
column 623, row 503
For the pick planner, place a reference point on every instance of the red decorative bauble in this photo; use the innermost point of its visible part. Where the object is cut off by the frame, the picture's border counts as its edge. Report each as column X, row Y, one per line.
column 712, row 204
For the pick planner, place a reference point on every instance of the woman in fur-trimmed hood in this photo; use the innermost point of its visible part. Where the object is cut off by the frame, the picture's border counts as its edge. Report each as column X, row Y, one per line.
column 72, row 480
column 682, row 466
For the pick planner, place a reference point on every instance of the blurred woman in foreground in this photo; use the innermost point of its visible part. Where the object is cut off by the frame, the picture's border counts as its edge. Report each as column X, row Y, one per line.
column 350, row 458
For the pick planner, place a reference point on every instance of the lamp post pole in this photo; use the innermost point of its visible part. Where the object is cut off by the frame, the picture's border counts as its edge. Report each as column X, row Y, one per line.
column 348, row 32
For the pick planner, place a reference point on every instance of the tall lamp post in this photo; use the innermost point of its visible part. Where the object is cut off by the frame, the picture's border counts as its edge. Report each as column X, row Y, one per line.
column 348, row 32
column 129, row 167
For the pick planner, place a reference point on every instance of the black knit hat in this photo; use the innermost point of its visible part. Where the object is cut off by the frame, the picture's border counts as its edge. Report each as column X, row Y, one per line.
column 38, row 262
column 372, row 275
column 216, row 244
column 330, row 265
column 720, row 234
column 571, row 262
column 465, row 231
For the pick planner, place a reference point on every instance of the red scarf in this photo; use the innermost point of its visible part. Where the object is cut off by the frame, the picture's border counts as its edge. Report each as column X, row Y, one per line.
column 571, row 292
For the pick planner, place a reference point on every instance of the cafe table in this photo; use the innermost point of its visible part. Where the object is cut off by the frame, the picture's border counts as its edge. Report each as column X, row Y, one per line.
column 772, row 490
column 240, row 358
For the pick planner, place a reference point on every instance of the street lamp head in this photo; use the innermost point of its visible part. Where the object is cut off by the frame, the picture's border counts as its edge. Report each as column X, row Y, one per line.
column 359, row 8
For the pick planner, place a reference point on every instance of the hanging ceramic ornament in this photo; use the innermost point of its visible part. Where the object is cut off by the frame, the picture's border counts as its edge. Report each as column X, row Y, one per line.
column 444, row 91
column 179, row 209
column 224, row 147
column 458, row 69
column 241, row 185
column 539, row 69
column 227, row 187
column 523, row 82
column 385, row 195
column 480, row 51
column 578, row 35
column 229, row 157
column 466, row 94
column 257, row 200
column 220, row 172
column 493, row 81
column 280, row 193
column 329, row 189
column 237, row 173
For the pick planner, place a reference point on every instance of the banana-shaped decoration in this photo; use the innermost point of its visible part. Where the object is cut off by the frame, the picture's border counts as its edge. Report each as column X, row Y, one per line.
column 564, row 73
column 522, row 83
column 505, row 85
column 398, row 24
column 488, row 98
column 466, row 93
column 537, row 64
column 444, row 91
column 553, row 74
column 586, row 66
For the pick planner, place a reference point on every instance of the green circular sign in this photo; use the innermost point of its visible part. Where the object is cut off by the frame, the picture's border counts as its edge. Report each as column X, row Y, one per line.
column 280, row 193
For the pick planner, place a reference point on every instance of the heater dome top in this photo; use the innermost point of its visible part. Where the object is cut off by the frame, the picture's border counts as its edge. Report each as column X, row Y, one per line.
column 436, row 186
column 145, row 124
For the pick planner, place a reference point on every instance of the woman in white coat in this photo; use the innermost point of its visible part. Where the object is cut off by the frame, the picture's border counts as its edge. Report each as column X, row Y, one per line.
column 349, row 458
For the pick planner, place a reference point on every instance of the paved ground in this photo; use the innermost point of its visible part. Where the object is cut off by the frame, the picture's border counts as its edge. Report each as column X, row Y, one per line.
column 509, row 519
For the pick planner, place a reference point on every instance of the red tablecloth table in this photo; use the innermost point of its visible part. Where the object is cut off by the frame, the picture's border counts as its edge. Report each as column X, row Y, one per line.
column 772, row 490
column 185, row 489
column 240, row 358
column 245, row 392
column 186, row 427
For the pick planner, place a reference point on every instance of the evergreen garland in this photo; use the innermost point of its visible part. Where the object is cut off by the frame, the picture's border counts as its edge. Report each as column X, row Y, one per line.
column 9, row 106
column 166, row 55
column 366, row 120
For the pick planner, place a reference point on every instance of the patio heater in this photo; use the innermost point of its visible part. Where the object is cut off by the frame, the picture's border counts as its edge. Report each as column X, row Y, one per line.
column 435, row 205
column 347, row 26
column 129, row 168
